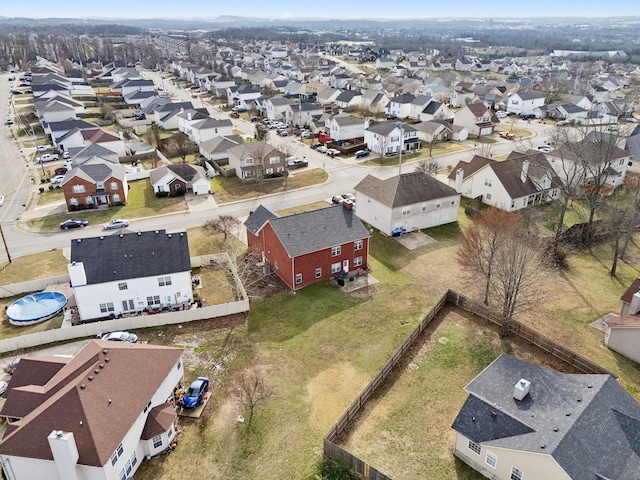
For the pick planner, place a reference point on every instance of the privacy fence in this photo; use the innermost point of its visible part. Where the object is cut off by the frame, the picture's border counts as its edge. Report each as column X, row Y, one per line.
column 332, row 438
column 88, row 330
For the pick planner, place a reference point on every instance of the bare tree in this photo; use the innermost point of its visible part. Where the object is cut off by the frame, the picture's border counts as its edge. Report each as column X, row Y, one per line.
column 223, row 224
column 483, row 147
column 634, row 182
column 518, row 269
column 251, row 392
column 181, row 145
column 427, row 166
column 481, row 242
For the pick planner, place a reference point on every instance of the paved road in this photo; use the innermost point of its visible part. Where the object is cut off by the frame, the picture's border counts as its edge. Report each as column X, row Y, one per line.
column 344, row 174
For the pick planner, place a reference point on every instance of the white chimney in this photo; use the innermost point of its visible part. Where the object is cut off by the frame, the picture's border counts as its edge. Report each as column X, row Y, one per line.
column 77, row 274
column 459, row 176
column 634, row 305
column 525, row 171
column 65, row 453
column 521, row 389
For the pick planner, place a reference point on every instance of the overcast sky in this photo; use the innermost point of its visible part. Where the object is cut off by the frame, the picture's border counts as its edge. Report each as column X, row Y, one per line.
column 379, row 9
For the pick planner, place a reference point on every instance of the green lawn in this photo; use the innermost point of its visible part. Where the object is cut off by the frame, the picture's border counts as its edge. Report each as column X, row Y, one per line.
column 29, row 267
column 142, row 202
column 50, row 196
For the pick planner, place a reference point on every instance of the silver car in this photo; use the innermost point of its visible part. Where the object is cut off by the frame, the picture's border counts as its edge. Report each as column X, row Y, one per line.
column 115, row 224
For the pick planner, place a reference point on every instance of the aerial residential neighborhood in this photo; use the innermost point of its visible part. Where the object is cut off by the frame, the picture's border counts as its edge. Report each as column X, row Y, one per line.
column 237, row 245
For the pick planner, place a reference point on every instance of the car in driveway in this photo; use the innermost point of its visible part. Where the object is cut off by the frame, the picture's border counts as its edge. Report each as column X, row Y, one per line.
column 43, row 148
column 120, row 337
column 283, row 133
column 9, row 121
column 332, row 152
column 544, row 148
column 501, row 114
column 115, row 224
column 234, row 115
column 57, row 179
column 362, row 153
column 194, row 395
column 73, row 223
column 322, row 149
column 349, row 196
column 297, row 164
column 60, row 170
column 315, row 146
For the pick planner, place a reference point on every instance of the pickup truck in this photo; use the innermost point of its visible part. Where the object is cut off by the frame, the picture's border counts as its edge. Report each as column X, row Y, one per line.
column 507, row 135
column 48, row 157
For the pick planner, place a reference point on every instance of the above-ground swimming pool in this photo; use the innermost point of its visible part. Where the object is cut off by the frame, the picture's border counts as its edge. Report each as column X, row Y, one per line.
column 35, row 308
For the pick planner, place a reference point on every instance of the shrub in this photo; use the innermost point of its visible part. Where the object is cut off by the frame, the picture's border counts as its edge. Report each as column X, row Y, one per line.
column 41, row 189
column 162, row 194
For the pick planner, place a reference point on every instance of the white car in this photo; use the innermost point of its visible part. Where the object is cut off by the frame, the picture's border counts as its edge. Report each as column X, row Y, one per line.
column 43, row 148
column 1, row 200
column 47, row 157
column 115, row 224
column 501, row 114
column 57, row 179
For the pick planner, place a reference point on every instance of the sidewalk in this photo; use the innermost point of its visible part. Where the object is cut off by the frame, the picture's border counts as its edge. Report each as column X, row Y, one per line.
column 43, row 211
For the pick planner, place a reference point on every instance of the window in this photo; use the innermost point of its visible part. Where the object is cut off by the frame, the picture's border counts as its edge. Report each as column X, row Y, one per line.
column 116, row 197
column 113, row 185
column 335, row 251
column 516, row 474
column 474, row 447
column 488, row 196
column 424, row 207
column 438, row 205
column 157, row 441
column 73, row 201
column 170, row 432
column 487, row 182
column 248, row 161
column 274, row 160
column 298, row 278
column 120, row 450
column 275, row 264
column 357, row 245
column 406, row 211
column 123, row 286
column 123, row 475
column 336, row 267
column 513, row 204
column 492, row 459
column 453, row 203
column 357, row 261
column 162, row 281
column 621, row 162
column 268, row 171
column 133, row 459
column 155, row 300
column 318, row 272
column 100, row 185
column 78, row 189
column 106, row 307
column 114, row 458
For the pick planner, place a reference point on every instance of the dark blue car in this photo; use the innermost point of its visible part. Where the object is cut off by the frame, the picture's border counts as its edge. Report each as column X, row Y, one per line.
column 195, row 395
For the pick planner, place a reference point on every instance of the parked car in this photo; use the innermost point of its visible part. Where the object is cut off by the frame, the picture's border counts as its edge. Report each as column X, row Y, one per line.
column 315, row 146
column 60, row 171
column 362, row 153
column 121, row 337
column 297, row 164
column 333, row 152
column 73, row 223
column 349, row 196
column 10, row 367
column 337, row 199
column 501, row 114
column 239, row 109
column 234, row 115
column 115, row 224
column 613, row 128
column 9, row 121
column 194, row 396
column 283, row 133
column 43, row 148
column 47, row 157
column 66, row 155
column 17, row 92
column 3, row 386
column 57, row 179
column 544, row 148
column 322, row 149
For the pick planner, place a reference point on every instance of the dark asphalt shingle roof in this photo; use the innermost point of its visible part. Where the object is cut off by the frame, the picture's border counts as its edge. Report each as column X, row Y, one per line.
column 309, row 232
column 588, row 423
column 404, row 189
column 131, row 255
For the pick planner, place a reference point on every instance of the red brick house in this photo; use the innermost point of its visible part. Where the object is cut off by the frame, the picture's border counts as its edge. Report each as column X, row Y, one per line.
column 94, row 185
column 309, row 247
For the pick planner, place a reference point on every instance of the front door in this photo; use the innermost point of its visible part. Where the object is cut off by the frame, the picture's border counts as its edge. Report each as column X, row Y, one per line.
column 345, row 266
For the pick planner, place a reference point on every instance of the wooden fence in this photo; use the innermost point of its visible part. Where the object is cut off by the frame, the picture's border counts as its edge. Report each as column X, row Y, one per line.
column 334, row 451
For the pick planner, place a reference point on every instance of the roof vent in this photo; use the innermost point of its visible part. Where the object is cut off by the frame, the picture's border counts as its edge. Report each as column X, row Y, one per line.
column 110, row 401
column 114, row 272
column 579, row 400
column 139, row 233
column 568, row 414
column 101, row 365
column 82, row 386
column 106, row 360
column 169, row 235
column 181, row 234
column 101, row 237
column 556, row 429
column 59, row 433
column 157, row 231
column 589, row 386
column 521, row 389
column 121, row 235
column 543, row 446
column 96, row 371
column 104, row 352
column 494, row 414
column 90, row 377
column 79, row 240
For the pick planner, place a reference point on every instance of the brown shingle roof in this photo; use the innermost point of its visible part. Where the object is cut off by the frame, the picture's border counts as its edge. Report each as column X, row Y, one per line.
column 159, row 420
column 469, row 168
column 631, row 291
column 98, row 396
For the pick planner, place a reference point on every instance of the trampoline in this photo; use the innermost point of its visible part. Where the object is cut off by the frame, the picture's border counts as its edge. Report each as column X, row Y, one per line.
column 35, row 308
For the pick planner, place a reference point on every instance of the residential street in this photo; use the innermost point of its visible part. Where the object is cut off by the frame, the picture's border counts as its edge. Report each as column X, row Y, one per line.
column 344, row 174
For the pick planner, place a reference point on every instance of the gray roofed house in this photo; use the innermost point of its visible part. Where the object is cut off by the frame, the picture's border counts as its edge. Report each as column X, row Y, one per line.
column 529, row 421
column 406, row 202
column 177, row 178
column 216, row 148
column 308, row 247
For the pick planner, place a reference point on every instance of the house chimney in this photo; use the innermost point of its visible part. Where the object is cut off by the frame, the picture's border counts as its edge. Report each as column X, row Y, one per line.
column 521, row 389
column 525, row 171
column 459, row 177
column 77, row 274
column 634, row 305
column 65, row 453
